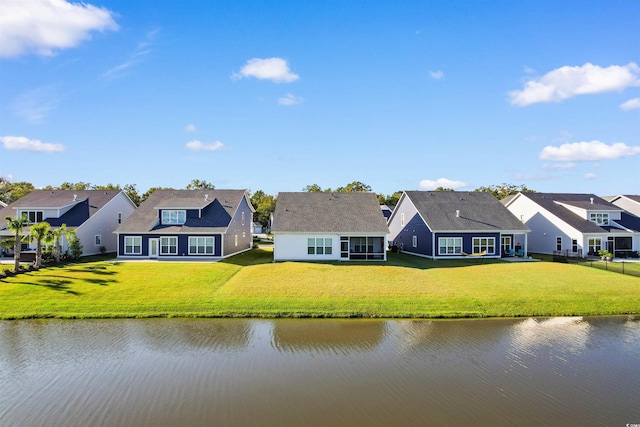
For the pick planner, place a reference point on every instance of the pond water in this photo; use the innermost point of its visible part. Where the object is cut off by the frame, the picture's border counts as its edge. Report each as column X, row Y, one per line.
column 205, row 372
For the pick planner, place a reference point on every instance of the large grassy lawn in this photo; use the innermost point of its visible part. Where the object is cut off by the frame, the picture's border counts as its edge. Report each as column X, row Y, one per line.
column 251, row 285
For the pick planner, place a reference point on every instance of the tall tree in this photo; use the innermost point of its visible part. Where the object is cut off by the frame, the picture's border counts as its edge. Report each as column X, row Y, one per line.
column 40, row 232
column 12, row 191
column 264, row 204
column 503, row 190
column 16, row 225
column 131, row 191
column 391, row 200
column 355, row 187
column 109, row 186
column 150, row 191
column 444, row 189
column 59, row 234
column 313, row 188
column 196, row 184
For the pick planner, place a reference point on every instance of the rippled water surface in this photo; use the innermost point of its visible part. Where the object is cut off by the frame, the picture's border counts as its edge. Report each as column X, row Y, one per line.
column 557, row 371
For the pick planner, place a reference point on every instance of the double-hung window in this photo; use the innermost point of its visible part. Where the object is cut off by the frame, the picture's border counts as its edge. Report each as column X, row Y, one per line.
column 132, row 245
column 319, row 246
column 174, row 217
column 482, row 244
column 200, row 245
column 595, row 244
column 169, row 245
column 450, row 245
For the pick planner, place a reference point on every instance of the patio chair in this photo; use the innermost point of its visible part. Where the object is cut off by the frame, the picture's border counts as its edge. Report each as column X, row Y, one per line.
column 520, row 253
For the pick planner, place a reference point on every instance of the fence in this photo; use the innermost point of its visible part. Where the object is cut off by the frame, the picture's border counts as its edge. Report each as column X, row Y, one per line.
column 623, row 267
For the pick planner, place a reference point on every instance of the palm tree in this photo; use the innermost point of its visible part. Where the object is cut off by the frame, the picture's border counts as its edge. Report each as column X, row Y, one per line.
column 40, row 232
column 16, row 225
column 59, row 234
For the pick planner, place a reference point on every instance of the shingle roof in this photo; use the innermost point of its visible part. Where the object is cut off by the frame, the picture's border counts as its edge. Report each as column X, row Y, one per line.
column 218, row 208
column 87, row 203
column 582, row 201
column 328, row 213
column 478, row 211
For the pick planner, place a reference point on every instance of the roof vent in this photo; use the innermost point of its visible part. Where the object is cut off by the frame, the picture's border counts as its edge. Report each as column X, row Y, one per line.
column 206, row 197
column 75, row 197
column 457, row 213
column 591, row 198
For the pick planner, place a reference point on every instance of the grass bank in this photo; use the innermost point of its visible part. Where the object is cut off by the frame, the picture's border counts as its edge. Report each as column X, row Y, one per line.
column 251, row 285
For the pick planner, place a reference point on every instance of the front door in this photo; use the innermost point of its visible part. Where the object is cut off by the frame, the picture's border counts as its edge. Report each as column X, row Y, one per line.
column 153, row 248
column 505, row 242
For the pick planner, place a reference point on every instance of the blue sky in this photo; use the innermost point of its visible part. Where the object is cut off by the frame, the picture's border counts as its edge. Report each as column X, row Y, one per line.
column 276, row 95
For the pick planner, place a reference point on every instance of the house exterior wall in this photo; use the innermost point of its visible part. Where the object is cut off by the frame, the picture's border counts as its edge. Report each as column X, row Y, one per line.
column 294, row 247
column 103, row 223
column 183, row 245
column 467, row 243
column 546, row 228
column 239, row 226
column 402, row 235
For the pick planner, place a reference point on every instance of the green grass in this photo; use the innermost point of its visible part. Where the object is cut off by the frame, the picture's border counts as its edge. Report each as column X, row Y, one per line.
column 251, row 285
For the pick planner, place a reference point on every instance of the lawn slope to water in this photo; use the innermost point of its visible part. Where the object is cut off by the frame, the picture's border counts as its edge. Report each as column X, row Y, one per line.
column 251, row 285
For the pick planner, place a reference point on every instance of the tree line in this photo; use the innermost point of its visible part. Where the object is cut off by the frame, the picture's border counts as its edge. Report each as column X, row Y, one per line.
column 263, row 203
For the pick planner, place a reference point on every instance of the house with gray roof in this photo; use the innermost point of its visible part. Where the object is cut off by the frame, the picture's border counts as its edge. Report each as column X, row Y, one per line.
column 188, row 224
column 628, row 202
column 328, row 226
column 576, row 224
column 93, row 214
column 455, row 224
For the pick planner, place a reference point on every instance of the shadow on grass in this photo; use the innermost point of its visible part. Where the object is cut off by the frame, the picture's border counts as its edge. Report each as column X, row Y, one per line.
column 261, row 256
column 59, row 285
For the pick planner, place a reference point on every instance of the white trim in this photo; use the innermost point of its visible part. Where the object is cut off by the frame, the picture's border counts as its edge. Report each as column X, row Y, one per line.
column 133, row 245
column 168, row 245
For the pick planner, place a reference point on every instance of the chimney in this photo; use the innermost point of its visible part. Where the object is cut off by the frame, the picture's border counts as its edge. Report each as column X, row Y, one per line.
column 457, row 213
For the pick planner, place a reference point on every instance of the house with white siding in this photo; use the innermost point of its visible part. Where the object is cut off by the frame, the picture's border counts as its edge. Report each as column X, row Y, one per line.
column 324, row 226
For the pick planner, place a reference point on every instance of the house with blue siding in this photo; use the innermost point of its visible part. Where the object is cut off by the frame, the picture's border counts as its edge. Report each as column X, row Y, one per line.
column 454, row 224
column 188, row 224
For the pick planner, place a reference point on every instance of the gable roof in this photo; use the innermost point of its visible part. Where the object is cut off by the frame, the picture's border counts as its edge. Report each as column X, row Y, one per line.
column 85, row 205
column 320, row 212
column 478, row 211
column 553, row 202
column 218, row 207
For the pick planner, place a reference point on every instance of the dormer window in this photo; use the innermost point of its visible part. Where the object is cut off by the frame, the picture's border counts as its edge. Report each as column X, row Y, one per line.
column 174, row 217
column 599, row 218
column 32, row 217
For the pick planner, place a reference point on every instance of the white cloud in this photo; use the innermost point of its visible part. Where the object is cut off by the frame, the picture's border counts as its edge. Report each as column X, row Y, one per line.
column 436, row 74
column 24, row 143
column 632, row 104
column 590, row 176
column 560, row 166
column 43, row 26
column 567, row 82
column 427, row 184
column 593, row 150
column 289, row 99
column 35, row 105
column 274, row 69
column 190, row 128
column 142, row 49
column 196, row 145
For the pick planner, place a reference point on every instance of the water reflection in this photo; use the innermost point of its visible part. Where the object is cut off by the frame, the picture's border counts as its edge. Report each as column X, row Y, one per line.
column 557, row 371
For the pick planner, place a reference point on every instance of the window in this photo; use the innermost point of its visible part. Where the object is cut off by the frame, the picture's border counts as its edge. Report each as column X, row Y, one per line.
column 402, row 219
column 235, row 240
column 174, row 217
column 481, row 244
column 319, row 246
column 119, row 217
column 98, row 240
column 450, row 245
column 32, row 217
column 415, row 241
column 200, row 245
column 558, row 243
column 574, row 246
column 169, row 246
column 242, row 218
column 599, row 218
column 595, row 244
column 132, row 245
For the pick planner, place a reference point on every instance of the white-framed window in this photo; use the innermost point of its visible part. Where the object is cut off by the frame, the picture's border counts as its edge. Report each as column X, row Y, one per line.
column 32, row 217
column 169, row 245
column 415, row 241
column 558, row 243
column 119, row 217
column 595, row 244
column 242, row 218
column 402, row 219
column 599, row 218
column 319, row 246
column 481, row 244
column 574, row 246
column 98, row 239
column 174, row 217
column 201, row 245
column 132, row 245
column 450, row 245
